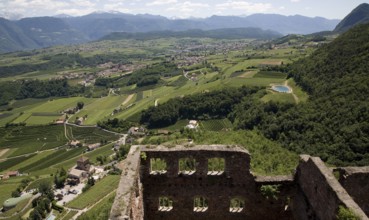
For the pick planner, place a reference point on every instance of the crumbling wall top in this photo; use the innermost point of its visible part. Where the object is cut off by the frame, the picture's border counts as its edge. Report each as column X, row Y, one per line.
column 229, row 148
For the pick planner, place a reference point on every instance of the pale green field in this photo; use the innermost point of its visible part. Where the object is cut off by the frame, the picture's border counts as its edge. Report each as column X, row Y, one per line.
column 58, row 105
column 278, row 97
column 99, row 109
column 23, row 117
column 41, row 120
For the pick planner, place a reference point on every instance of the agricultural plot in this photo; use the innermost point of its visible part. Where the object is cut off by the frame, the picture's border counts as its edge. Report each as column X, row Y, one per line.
column 31, row 160
column 97, row 192
column 41, row 120
column 6, row 164
column 100, row 211
column 217, row 125
column 31, row 139
column 99, row 109
column 90, row 135
column 262, row 82
column 56, row 157
column 92, row 155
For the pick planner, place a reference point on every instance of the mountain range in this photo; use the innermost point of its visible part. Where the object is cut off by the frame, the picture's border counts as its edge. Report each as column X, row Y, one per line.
column 39, row 32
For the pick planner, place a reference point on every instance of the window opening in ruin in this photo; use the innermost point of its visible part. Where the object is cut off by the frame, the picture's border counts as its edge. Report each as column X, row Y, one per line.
column 216, row 166
column 187, row 166
column 236, row 205
column 165, row 204
column 200, row 204
column 157, row 166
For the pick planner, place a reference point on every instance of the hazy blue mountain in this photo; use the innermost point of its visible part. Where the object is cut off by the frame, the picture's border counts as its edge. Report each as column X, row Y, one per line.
column 48, row 31
column 96, row 25
column 227, row 33
column 359, row 15
column 13, row 38
column 30, row 33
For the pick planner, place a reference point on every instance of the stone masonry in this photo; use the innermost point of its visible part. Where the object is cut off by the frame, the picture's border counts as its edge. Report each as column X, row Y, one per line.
column 199, row 192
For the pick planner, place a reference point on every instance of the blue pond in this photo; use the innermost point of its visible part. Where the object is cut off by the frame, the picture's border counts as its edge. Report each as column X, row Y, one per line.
column 284, row 89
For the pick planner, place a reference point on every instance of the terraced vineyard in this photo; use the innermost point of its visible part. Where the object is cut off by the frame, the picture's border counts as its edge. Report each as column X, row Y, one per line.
column 217, row 125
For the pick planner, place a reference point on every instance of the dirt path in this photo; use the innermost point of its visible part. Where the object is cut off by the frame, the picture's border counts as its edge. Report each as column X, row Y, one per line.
column 2, row 152
column 297, row 100
column 128, row 99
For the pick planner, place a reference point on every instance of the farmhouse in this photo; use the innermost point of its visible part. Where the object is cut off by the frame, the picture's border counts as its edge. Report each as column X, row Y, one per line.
column 93, row 146
column 9, row 174
column 80, row 171
column 74, row 143
column 192, row 124
column 136, row 131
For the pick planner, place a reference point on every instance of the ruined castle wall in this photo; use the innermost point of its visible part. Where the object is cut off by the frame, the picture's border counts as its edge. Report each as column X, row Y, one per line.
column 356, row 182
column 218, row 190
column 320, row 192
column 128, row 203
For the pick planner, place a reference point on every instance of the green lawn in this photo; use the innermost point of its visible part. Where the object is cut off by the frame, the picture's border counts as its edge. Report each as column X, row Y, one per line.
column 41, row 120
column 99, row 109
column 301, row 95
column 98, row 191
column 278, row 97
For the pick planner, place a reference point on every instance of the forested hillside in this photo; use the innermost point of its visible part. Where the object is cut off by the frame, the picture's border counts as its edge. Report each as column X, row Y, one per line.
column 334, row 123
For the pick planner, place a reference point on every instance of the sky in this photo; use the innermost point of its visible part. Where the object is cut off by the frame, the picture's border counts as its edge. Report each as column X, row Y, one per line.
column 332, row 9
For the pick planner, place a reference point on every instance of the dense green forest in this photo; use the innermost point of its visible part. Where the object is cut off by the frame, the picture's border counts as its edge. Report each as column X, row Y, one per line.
column 22, row 89
column 334, row 123
column 215, row 104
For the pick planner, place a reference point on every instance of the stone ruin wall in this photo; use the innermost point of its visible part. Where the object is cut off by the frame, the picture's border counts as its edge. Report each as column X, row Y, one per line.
column 319, row 193
column 235, row 182
column 356, row 182
column 313, row 193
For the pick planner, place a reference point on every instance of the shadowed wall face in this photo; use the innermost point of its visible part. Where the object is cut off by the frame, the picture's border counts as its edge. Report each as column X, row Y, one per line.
column 206, row 183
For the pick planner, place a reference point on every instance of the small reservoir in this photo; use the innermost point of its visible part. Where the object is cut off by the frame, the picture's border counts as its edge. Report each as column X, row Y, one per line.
column 281, row 88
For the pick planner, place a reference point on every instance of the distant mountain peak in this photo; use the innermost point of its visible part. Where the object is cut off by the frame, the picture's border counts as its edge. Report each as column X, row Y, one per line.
column 62, row 16
column 360, row 15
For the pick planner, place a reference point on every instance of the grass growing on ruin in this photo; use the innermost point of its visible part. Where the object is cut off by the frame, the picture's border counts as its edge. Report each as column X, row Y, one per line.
column 267, row 157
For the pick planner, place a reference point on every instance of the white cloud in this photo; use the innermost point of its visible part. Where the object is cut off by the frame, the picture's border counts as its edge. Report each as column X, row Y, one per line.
column 161, row 2
column 116, row 7
column 295, row 0
column 75, row 12
column 187, row 7
column 84, row 3
column 247, row 7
